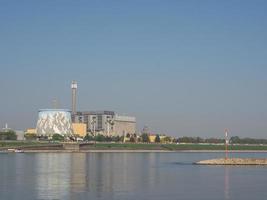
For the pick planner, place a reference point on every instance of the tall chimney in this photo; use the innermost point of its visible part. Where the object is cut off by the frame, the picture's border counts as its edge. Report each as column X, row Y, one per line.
column 74, row 96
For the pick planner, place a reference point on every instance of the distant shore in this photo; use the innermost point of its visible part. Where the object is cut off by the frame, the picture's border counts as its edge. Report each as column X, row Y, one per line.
column 57, row 147
column 135, row 151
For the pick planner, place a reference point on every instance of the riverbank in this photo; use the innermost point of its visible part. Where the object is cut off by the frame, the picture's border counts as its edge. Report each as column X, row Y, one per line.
column 36, row 146
column 127, row 151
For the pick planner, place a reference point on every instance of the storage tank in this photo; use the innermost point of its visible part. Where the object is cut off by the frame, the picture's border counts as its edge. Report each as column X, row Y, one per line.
column 54, row 121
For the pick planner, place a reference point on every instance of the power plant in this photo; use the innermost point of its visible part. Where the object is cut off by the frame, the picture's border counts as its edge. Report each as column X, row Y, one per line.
column 67, row 123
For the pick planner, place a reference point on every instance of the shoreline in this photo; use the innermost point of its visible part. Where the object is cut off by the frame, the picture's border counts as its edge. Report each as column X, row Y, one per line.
column 135, row 151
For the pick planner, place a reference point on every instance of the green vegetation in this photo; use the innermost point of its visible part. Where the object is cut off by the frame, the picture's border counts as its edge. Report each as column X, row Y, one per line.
column 173, row 147
column 30, row 136
column 135, row 146
column 102, row 138
column 88, row 138
column 132, row 139
column 20, row 144
column 233, row 140
column 237, row 140
column 145, row 138
column 9, row 135
column 57, row 137
column 197, row 140
column 125, row 146
column 157, row 139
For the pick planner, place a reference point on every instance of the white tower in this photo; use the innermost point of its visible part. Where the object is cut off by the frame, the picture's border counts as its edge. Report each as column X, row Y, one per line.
column 74, row 87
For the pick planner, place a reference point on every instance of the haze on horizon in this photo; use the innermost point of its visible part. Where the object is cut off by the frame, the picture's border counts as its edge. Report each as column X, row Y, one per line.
column 184, row 68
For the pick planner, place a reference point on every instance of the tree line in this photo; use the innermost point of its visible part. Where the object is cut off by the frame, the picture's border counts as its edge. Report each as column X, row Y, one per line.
column 144, row 137
column 233, row 140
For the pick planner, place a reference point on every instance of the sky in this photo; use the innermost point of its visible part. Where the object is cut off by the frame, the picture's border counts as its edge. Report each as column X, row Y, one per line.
column 182, row 68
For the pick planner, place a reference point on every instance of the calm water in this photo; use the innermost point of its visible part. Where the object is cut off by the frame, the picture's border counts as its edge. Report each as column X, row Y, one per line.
column 151, row 176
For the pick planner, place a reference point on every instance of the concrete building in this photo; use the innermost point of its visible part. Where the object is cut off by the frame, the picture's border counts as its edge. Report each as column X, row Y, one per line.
column 106, row 122
column 54, row 121
column 20, row 135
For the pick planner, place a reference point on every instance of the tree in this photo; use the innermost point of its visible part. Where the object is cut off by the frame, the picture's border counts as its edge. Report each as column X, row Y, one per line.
column 57, row 137
column 145, row 137
column 88, row 138
column 117, row 138
column 132, row 139
column 9, row 135
column 100, row 138
column 30, row 136
column 157, row 139
column 108, row 139
column 167, row 139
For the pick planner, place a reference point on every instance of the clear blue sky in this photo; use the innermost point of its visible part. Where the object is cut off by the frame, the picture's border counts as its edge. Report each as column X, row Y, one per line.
column 181, row 67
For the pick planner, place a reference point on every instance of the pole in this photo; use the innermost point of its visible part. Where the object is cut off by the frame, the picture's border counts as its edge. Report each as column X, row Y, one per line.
column 94, row 122
column 226, row 144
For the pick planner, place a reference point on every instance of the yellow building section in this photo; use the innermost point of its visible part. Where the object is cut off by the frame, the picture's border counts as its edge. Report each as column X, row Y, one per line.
column 79, row 129
column 31, row 130
column 153, row 137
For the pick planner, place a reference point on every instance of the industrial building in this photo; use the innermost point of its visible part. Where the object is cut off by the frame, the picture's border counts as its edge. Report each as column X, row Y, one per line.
column 101, row 122
column 54, row 121
column 106, row 122
column 68, row 123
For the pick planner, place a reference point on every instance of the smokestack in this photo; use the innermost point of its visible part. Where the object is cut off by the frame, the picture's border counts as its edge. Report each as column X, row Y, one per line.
column 74, row 96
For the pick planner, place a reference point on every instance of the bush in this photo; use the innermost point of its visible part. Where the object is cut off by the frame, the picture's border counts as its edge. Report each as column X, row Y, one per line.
column 132, row 140
column 157, row 139
column 145, row 137
column 100, row 138
column 88, row 138
column 30, row 136
column 57, row 137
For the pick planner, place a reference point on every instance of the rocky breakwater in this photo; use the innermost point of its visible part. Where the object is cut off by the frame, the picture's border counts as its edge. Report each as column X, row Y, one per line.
column 234, row 161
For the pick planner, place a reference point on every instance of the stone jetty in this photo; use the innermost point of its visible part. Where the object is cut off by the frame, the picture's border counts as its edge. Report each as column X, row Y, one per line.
column 234, row 161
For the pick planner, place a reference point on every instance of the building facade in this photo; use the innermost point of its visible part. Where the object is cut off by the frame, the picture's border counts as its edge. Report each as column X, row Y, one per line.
column 54, row 121
column 106, row 122
column 79, row 129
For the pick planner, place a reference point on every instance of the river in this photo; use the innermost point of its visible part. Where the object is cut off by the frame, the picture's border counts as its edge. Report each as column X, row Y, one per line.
column 120, row 176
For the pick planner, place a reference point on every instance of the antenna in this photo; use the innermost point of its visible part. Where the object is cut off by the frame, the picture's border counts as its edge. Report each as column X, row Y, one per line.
column 55, row 103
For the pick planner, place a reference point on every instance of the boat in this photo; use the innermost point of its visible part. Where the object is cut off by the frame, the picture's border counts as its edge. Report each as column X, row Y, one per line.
column 19, row 151
column 15, row 150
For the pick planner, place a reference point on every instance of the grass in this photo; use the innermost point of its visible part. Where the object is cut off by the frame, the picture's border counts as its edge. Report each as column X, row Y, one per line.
column 21, row 144
column 173, row 147
column 127, row 146
column 134, row 146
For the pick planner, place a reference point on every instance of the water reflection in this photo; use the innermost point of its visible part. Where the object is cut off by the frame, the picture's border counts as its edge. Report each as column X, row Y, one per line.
column 53, row 175
column 78, row 172
column 226, row 183
column 121, row 176
column 103, row 174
